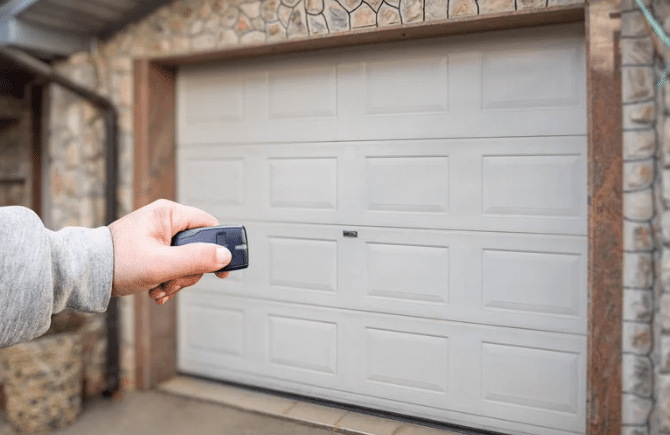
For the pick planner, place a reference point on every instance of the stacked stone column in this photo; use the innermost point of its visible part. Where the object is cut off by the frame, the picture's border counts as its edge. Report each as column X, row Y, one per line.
column 644, row 204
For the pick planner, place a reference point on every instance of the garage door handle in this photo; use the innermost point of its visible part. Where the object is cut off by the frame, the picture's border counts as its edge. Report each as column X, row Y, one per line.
column 350, row 233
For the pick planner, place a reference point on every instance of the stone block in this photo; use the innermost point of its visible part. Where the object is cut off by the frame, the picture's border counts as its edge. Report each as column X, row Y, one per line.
column 665, row 182
column 336, row 16
column 639, row 115
column 228, row 37
column 73, row 118
column 376, row 4
column 363, row 16
column 275, row 31
column 284, row 15
column 242, row 26
column 230, row 16
column 297, row 25
column 638, row 83
column 635, row 430
column 435, row 10
column 665, row 226
column 665, row 269
column 529, row 4
column 197, row 27
column 664, row 311
column 638, row 236
column 639, row 144
column 181, row 44
column 70, row 182
column 637, row 51
column 635, row 410
column 638, row 205
column 317, row 24
column 495, row 6
column 314, row 7
column 637, row 375
column 411, row 11
column 254, row 37
column 251, row 10
column 388, row 16
column 350, row 5
column 638, row 305
column 663, row 403
column 664, row 353
column 638, row 174
column 213, row 23
column 636, row 338
column 204, row 42
column 269, row 9
column 632, row 23
column 631, row 5
column 637, row 270
column 564, row 2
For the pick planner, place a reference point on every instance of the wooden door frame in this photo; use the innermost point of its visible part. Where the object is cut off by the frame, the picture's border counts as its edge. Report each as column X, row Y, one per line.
column 155, row 173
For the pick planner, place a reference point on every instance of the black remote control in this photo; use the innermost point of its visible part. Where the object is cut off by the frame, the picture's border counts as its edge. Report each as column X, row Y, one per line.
column 232, row 237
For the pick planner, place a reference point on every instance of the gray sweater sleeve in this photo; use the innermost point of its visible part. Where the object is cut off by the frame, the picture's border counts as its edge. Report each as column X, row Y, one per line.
column 42, row 272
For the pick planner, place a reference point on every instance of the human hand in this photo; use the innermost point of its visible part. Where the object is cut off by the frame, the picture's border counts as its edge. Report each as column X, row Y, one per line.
column 144, row 259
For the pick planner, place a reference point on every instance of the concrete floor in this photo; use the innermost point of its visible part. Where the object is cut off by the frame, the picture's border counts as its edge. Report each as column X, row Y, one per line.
column 158, row 413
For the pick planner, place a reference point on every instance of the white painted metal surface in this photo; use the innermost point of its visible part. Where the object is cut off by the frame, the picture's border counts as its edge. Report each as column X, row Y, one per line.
column 461, row 163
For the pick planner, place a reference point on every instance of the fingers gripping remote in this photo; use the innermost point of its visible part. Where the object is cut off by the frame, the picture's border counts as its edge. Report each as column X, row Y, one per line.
column 232, row 237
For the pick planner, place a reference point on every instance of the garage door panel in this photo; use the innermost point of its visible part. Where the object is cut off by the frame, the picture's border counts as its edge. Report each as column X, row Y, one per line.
column 463, row 367
column 513, row 184
column 535, row 377
column 532, row 185
column 406, row 85
column 303, row 344
column 303, row 183
column 526, row 281
column 518, row 85
column 515, row 375
column 408, row 184
column 537, row 282
column 302, row 93
column 408, row 272
column 532, row 78
column 309, row 264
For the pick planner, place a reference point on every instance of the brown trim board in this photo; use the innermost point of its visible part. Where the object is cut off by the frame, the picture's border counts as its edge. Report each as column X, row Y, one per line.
column 154, row 103
column 604, row 110
column 154, row 172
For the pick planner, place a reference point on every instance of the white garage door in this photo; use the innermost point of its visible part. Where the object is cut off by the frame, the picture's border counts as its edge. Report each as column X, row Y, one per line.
column 461, row 164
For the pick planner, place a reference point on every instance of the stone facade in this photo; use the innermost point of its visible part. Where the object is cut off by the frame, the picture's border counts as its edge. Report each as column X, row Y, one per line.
column 646, row 152
column 16, row 166
column 43, row 382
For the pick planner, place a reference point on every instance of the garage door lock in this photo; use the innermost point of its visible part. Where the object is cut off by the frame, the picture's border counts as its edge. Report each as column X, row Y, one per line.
column 353, row 234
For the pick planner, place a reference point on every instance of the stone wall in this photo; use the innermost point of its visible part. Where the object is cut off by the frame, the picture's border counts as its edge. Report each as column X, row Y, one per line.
column 189, row 26
column 646, row 150
column 16, row 165
column 15, row 160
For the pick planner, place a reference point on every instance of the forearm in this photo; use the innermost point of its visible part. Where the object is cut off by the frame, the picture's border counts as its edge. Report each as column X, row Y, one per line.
column 42, row 272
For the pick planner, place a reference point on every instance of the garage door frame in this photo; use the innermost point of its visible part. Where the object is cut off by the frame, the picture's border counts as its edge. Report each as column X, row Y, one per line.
column 155, row 169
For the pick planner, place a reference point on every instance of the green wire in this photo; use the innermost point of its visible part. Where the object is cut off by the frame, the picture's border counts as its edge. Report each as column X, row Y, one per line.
column 661, row 34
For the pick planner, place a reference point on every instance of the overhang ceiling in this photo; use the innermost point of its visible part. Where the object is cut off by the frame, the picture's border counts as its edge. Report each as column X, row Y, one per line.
column 52, row 28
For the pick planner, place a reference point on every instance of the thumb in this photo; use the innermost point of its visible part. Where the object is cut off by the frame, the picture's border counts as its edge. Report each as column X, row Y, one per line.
column 193, row 259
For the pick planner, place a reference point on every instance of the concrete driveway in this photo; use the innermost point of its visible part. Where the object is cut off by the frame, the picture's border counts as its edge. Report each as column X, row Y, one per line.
column 158, row 413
